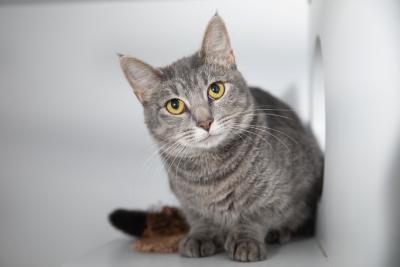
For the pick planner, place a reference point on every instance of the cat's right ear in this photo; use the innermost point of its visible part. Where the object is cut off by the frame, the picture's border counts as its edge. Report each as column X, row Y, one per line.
column 142, row 77
column 216, row 47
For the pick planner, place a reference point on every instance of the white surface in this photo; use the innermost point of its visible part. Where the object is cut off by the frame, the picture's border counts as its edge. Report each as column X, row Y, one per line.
column 118, row 253
column 360, row 41
column 317, row 95
column 73, row 145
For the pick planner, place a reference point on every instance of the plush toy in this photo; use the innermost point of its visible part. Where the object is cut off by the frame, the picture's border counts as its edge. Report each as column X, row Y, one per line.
column 156, row 231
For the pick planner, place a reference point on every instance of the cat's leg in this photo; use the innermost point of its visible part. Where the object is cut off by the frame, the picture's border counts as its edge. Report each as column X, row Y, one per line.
column 204, row 239
column 246, row 241
column 280, row 236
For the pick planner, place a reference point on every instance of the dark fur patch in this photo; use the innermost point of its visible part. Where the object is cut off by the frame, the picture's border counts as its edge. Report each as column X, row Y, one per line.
column 131, row 222
column 166, row 222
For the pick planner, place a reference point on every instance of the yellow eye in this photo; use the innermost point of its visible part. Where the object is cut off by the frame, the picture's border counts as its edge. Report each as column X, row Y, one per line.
column 216, row 90
column 175, row 106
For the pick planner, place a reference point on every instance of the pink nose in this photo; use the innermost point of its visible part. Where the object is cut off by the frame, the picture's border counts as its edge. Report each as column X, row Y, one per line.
column 205, row 124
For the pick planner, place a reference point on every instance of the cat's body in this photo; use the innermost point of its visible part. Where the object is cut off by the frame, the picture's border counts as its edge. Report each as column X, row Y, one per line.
column 269, row 175
column 267, row 180
column 238, row 159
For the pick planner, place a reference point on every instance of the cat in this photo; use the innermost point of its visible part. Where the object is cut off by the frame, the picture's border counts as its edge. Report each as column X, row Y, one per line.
column 238, row 159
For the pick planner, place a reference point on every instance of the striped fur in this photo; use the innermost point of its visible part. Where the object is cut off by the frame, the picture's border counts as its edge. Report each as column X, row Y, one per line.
column 257, row 171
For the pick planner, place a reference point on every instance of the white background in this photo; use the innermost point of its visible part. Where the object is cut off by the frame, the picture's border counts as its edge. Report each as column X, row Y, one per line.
column 73, row 145
column 358, row 220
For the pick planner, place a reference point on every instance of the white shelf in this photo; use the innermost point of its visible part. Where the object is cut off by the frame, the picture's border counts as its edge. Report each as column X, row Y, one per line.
column 118, row 253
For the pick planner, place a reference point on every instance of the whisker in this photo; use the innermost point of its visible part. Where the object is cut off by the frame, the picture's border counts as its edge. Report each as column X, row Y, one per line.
column 182, row 156
column 267, row 107
column 271, row 129
column 164, row 151
column 267, row 114
column 277, row 138
column 159, row 149
column 252, row 132
column 175, row 157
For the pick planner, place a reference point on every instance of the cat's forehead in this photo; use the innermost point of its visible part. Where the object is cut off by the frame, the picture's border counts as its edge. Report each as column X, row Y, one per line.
column 188, row 85
column 182, row 69
column 191, row 70
column 185, row 74
column 188, row 77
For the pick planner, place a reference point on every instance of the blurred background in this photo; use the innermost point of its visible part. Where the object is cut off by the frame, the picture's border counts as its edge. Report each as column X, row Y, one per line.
column 73, row 145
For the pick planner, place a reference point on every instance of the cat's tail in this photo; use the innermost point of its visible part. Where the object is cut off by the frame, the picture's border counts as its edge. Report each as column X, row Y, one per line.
column 138, row 223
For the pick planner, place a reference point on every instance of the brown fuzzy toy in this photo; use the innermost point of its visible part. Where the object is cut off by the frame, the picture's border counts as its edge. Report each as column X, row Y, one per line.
column 157, row 231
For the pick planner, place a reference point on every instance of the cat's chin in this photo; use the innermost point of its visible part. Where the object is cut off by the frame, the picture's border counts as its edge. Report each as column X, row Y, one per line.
column 210, row 141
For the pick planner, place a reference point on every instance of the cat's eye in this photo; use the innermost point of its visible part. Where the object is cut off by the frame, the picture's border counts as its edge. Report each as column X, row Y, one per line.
column 216, row 90
column 175, row 106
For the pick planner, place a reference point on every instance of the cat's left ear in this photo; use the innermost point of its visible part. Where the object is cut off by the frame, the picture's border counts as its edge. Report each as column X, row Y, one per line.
column 216, row 47
column 142, row 77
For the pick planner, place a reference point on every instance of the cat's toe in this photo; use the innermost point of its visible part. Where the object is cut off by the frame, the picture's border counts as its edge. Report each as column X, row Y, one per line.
column 247, row 250
column 194, row 247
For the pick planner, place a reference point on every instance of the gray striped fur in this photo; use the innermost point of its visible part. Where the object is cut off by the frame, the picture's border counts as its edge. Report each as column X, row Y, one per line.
column 259, row 171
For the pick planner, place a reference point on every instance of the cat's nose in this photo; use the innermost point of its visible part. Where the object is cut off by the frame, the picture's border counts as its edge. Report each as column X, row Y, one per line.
column 205, row 124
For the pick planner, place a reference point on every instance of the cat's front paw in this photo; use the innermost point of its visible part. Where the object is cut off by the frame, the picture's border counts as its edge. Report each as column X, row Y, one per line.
column 193, row 246
column 246, row 249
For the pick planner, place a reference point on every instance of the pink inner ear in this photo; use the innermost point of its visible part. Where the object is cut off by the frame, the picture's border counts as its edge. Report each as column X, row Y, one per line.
column 140, row 95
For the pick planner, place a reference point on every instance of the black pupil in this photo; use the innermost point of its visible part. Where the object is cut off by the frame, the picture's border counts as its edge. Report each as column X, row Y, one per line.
column 215, row 88
column 175, row 103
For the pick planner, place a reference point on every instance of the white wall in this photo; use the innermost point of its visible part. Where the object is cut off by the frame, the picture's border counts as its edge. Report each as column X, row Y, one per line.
column 72, row 142
column 360, row 43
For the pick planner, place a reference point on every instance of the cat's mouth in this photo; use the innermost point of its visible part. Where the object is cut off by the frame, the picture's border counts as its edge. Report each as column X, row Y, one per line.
column 210, row 140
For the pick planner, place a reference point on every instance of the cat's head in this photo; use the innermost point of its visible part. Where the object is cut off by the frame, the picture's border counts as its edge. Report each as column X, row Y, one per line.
column 198, row 102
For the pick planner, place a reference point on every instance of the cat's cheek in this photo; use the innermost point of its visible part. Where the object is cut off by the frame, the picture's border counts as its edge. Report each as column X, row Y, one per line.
column 216, row 128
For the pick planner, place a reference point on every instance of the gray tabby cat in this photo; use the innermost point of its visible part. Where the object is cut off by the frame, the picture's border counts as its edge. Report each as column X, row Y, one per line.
column 238, row 159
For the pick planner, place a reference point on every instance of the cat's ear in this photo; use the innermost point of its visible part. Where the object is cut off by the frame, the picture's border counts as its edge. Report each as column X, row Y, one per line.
column 142, row 77
column 216, row 47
